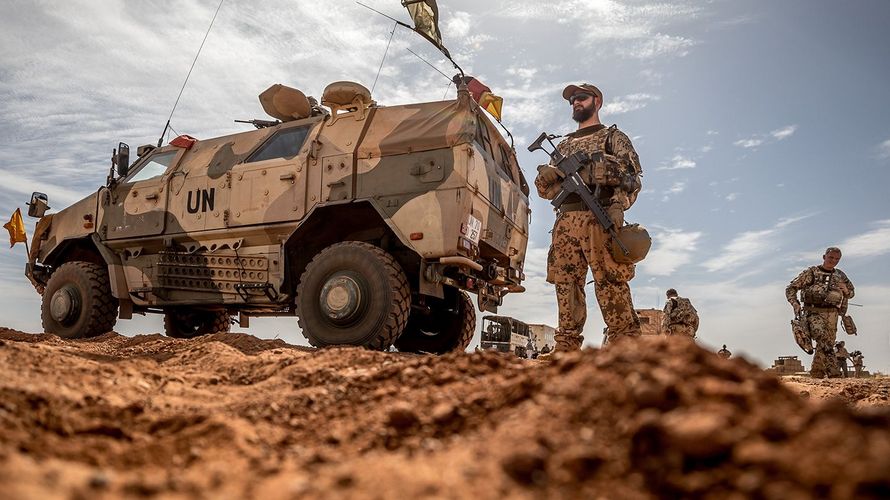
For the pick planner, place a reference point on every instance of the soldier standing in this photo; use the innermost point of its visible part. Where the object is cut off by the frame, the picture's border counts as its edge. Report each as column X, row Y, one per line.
column 822, row 290
column 680, row 318
column 724, row 353
column 578, row 240
column 842, row 354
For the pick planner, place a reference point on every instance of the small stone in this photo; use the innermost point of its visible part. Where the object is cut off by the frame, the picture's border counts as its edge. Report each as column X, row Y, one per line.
column 526, row 467
column 402, row 416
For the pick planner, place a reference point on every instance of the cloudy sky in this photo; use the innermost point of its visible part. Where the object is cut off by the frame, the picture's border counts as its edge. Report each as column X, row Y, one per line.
column 761, row 125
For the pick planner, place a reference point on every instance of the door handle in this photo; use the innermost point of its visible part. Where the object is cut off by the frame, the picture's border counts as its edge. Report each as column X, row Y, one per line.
column 151, row 196
column 288, row 177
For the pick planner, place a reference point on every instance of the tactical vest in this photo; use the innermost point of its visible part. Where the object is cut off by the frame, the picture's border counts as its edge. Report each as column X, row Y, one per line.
column 619, row 188
column 823, row 290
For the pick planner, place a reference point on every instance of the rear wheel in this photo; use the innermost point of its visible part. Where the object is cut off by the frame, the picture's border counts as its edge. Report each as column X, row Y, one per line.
column 77, row 301
column 353, row 293
column 182, row 323
column 448, row 326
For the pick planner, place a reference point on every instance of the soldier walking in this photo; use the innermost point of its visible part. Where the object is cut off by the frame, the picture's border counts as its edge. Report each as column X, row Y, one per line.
column 822, row 289
column 724, row 353
column 680, row 318
column 578, row 240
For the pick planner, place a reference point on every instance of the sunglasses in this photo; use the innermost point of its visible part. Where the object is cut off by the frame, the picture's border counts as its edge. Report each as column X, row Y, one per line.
column 582, row 96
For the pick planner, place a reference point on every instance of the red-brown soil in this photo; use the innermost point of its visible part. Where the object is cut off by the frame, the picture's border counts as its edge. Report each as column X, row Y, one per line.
column 233, row 416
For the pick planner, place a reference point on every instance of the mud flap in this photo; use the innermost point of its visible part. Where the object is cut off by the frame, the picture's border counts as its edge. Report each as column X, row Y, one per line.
column 488, row 300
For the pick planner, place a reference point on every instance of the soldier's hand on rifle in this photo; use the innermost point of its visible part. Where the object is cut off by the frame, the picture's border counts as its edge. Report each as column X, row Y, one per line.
column 843, row 288
column 549, row 174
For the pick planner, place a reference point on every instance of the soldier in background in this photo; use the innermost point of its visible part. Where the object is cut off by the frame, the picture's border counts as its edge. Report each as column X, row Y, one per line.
column 857, row 364
column 578, row 240
column 823, row 289
column 724, row 353
column 841, row 354
column 680, row 318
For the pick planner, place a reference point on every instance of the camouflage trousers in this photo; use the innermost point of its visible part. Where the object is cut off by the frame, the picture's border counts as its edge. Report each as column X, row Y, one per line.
column 580, row 243
column 822, row 324
column 680, row 330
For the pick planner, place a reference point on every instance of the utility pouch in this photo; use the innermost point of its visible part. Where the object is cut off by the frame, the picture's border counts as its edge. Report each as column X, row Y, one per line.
column 636, row 239
column 801, row 335
column 849, row 326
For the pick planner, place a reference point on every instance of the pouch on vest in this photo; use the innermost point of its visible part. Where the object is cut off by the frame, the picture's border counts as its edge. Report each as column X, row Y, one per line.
column 636, row 239
column 849, row 326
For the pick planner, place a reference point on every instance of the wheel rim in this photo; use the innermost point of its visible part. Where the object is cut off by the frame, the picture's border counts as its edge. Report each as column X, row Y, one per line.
column 342, row 299
column 65, row 305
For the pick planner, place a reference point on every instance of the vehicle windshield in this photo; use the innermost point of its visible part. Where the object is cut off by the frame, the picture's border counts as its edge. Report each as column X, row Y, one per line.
column 154, row 167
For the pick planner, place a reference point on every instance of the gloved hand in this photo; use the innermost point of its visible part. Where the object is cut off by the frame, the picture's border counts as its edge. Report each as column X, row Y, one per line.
column 548, row 174
column 796, row 307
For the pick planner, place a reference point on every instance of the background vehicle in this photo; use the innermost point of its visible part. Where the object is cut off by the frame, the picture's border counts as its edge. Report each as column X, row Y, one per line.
column 506, row 334
column 371, row 224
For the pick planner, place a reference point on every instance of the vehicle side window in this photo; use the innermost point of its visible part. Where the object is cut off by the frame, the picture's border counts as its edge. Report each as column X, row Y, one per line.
column 154, row 167
column 284, row 144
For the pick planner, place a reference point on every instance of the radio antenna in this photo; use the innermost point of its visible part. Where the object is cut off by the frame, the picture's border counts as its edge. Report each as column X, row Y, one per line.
column 161, row 139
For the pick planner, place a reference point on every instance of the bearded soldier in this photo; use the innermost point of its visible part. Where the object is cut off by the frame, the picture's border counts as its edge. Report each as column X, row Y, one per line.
column 579, row 241
column 822, row 290
column 680, row 318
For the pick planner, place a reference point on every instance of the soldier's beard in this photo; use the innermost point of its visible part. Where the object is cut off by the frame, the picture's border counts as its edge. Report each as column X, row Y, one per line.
column 582, row 115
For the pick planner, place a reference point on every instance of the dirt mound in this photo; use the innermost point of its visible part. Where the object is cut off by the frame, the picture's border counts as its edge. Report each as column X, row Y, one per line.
column 232, row 415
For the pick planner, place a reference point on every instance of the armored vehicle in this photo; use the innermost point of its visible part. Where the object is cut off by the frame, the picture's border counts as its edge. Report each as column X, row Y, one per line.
column 369, row 223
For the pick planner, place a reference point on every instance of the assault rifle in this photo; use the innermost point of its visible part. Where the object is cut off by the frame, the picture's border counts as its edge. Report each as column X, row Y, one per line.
column 573, row 184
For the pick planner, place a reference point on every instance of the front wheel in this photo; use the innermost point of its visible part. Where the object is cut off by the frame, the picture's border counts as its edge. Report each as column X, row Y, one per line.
column 353, row 293
column 448, row 326
column 77, row 301
column 182, row 323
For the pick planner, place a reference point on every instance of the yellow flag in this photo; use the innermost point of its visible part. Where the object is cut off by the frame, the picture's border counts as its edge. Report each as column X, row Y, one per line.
column 492, row 103
column 16, row 228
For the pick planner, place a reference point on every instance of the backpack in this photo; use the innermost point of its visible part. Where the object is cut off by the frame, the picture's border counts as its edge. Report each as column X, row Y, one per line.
column 684, row 312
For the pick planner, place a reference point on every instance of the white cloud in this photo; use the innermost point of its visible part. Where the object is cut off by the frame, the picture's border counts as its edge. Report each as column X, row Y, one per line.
column 747, row 245
column 884, row 150
column 748, row 143
column 784, row 132
column 676, row 188
column 869, row 244
column 634, row 31
column 674, row 249
column 627, row 103
column 732, row 196
column 712, row 132
column 679, row 162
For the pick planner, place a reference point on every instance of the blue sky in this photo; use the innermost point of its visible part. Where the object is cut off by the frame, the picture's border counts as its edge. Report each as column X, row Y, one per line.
column 760, row 125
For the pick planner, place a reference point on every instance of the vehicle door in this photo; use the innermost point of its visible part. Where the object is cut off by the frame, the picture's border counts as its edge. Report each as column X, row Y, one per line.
column 136, row 206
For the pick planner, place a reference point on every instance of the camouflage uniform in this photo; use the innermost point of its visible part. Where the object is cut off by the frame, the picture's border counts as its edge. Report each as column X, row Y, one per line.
column 680, row 318
column 821, row 300
column 579, row 242
column 724, row 353
column 857, row 364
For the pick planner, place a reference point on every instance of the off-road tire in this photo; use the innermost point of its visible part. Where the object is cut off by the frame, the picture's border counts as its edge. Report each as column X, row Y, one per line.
column 441, row 331
column 182, row 323
column 95, row 311
column 378, row 321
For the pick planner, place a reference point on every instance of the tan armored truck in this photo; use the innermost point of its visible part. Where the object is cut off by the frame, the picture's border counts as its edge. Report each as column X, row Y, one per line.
column 370, row 223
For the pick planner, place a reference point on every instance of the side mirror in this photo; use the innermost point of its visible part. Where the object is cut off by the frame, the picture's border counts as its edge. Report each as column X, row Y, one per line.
column 38, row 205
column 121, row 159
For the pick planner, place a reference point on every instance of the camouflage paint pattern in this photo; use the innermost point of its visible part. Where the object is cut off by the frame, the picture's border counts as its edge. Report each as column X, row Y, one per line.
column 436, row 173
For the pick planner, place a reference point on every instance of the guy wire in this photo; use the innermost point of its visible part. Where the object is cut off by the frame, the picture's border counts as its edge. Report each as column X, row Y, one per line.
column 391, row 34
column 161, row 140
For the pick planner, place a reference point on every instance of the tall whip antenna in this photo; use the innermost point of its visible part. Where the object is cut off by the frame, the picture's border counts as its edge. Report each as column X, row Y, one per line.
column 161, row 139
column 391, row 34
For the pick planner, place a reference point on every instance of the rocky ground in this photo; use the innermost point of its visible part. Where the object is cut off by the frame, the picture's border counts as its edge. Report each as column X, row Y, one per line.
column 233, row 416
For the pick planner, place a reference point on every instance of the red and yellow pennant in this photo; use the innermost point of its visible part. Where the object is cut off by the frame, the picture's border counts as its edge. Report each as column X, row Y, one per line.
column 484, row 97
